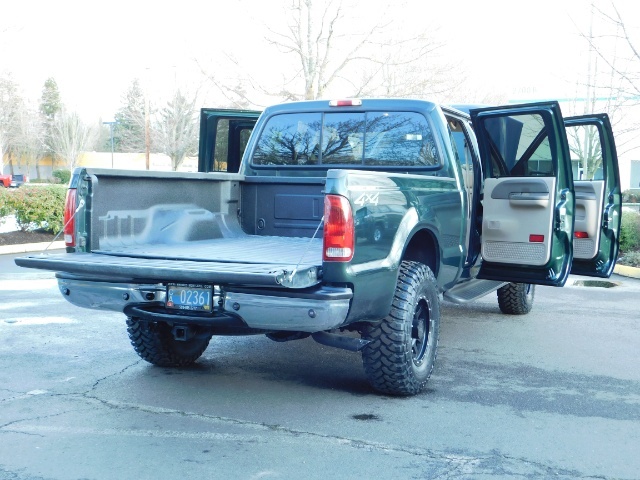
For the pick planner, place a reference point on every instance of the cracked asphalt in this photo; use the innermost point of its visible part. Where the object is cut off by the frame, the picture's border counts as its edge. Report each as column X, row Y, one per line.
column 553, row 394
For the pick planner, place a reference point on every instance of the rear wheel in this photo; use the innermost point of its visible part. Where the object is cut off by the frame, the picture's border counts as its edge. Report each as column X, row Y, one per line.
column 400, row 358
column 154, row 342
column 516, row 298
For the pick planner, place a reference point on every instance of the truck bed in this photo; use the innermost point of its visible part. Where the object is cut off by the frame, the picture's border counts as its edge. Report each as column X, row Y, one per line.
column 249, row 260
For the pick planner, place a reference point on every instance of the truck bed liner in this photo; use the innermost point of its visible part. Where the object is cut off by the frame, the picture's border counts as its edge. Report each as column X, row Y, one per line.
column 250, row 260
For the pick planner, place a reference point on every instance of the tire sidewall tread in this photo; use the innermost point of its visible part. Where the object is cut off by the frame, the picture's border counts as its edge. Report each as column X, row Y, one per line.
column 154, row 343
column 388, row 359
column 516, row 298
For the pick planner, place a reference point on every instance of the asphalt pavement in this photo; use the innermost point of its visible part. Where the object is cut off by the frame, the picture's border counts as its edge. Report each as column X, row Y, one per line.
column 552, row 394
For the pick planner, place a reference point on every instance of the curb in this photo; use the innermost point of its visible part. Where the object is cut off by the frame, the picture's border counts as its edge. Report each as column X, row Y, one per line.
column 30, row 247
column 627, row 271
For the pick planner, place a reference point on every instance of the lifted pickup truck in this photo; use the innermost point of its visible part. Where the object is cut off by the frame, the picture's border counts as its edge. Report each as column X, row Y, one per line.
column 346, row 221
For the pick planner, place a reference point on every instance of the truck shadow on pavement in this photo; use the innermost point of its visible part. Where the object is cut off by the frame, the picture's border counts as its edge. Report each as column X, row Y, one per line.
column 256, row 363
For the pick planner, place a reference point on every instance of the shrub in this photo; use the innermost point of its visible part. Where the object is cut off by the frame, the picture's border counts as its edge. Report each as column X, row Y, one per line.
column 61, row 176
column 629, row 196
column 5, row 207
column 632, row 259
column 38, row 207
column 630, row 231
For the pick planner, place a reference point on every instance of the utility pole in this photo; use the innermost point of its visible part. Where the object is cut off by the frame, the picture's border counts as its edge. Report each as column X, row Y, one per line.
column 147, row 132
column 111, row 125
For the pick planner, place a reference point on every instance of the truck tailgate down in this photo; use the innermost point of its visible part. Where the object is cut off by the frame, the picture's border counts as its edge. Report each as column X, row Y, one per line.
column 252, row 261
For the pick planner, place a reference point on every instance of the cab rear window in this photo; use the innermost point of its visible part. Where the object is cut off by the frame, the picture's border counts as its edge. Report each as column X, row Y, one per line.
column 389, row 139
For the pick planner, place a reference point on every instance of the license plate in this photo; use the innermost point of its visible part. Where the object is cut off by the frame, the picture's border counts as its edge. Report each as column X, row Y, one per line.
column 189, row 296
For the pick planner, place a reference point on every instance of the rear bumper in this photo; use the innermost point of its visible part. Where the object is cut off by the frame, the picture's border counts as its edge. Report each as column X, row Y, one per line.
column 312, row 310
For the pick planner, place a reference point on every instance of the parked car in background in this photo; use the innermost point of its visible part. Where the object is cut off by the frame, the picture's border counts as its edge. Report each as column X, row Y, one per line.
column 19, row 179
column 15, row 181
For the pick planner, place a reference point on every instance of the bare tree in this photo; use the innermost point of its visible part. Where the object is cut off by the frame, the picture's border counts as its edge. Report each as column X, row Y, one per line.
column 617, row 48
column 331, row 53
column 612, row 80
column 11, row 104
column 175, row 130
column 30, row 145
column 71, row 136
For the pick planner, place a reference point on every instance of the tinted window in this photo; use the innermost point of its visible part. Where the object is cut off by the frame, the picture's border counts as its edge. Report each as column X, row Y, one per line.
column 232, row 136
column 519, row 146
column 221, row 151
column 461, row 149
column 586, row 152
column 290, row 140
column 371, row 138
column 399, row 139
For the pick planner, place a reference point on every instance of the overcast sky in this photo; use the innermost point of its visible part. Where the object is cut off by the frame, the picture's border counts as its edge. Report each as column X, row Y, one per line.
column 93, row 49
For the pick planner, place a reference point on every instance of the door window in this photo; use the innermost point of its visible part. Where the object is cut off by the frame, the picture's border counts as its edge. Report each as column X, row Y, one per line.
column 231, row 142
column 519, row 146
column 586, row 152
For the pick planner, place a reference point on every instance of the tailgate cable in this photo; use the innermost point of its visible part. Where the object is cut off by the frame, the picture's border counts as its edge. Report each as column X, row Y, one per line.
column 306, row 250
column 80, row 205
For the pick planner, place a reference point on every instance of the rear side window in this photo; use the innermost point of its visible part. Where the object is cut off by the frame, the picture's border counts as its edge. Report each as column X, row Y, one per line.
column 390, row 139
column 586, row 152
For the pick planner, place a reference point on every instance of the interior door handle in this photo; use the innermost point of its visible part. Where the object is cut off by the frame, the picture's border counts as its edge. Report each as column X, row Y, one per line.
column 608, row 213
column 524, row 196
column 561, row 212
column 529, row 199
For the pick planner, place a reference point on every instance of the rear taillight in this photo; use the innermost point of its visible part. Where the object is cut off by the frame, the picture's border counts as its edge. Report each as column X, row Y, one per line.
column 339, row 233
column 69, row 218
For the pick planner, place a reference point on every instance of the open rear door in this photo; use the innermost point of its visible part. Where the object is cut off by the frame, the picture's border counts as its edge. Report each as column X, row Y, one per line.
column 528, row 198
column 223, row 137
column 598, row 197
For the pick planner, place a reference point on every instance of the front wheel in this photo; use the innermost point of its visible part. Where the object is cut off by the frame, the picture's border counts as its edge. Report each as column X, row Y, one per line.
column 154, row 342
column 400, row 358
column 516, row 298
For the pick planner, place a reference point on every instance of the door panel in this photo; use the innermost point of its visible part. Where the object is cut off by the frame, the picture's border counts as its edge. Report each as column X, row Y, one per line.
column 589, row 202
column 528, row 200
column 598, row 196
column 516, row 227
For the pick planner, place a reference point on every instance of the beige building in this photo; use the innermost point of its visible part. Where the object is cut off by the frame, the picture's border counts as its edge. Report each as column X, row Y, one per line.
column 125, row 161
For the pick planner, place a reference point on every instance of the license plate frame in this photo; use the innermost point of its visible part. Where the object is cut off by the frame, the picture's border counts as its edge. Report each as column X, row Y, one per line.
column 190, row 297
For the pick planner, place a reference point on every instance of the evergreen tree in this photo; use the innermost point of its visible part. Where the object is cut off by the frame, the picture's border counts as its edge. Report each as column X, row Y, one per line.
column 128, row 134
column 50, row 106
column 50, row 102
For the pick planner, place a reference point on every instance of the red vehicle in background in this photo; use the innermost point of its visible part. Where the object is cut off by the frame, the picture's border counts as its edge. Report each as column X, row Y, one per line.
column 13, row 180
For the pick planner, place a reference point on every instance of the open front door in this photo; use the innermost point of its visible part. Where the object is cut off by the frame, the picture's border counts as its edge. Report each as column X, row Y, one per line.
column 528, row 199
column 223, row 137
column 598, row 197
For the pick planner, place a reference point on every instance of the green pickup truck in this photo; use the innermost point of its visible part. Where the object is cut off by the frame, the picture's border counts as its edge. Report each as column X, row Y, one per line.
column 347, row 221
